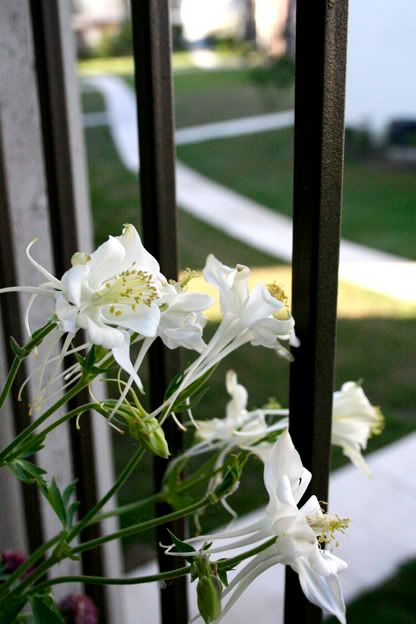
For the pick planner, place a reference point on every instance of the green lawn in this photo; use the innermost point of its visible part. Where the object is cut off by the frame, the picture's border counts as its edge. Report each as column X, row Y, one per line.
column 209, row 96
column 378, row 199
column 378, row 207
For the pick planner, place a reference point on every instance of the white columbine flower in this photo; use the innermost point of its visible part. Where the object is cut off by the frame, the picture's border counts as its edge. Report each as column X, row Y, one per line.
column 354, row 421
column 240, row 427
column 118, row 291
column 259, row 317
column 299, row 533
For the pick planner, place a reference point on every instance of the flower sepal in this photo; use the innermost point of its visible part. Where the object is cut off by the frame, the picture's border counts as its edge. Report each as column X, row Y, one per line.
column 151, row 436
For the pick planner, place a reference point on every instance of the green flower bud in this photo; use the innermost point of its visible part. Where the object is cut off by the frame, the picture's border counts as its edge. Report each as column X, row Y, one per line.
column 209, row 591
column 150, row 434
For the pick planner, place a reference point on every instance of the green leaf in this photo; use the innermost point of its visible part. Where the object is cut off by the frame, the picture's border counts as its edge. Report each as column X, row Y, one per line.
column 38, row 442
column 45, row 610
column 182, row 547
column 69, row 492
column 232, row 471
column 192, row 388
column 27, row 472
column 57, row 503
column 17, row 349
column 61, row 503
column 222, row 575
column 10, row 606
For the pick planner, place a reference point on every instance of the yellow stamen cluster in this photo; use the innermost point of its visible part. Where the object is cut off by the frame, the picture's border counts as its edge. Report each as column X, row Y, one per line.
column 325, row 525
column 278, row 293
column 131, row 287
column 378, row 425
column 272, row 403
column 187, row 276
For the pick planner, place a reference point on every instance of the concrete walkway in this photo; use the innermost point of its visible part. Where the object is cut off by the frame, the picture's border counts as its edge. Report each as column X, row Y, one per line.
column 239, row 216
column 381, row 537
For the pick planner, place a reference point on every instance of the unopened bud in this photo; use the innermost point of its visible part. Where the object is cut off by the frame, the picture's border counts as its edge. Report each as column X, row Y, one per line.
column 78, row 609
column 150, row 434
column 209, row 591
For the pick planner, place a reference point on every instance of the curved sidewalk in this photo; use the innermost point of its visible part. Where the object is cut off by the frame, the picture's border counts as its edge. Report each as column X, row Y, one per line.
column 241, row 217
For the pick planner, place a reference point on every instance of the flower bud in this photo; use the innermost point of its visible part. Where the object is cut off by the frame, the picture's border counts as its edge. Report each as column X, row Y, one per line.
column 150, row 434
column 11, row 560
column 209, row 591
column 78, row 609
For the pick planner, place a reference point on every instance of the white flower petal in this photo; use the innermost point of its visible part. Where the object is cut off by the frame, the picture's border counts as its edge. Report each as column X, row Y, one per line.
column 100, row 334
column 144, row 319
column 190, row 302
column 323, row 591
column 72, row 282
column 105, row 262
column 121, row 355
column 135, row 252
column 260, row 304
column 285, row 460
column 66, row 313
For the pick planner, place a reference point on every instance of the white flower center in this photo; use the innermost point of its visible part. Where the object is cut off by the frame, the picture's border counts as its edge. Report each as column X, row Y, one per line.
column 131, row 287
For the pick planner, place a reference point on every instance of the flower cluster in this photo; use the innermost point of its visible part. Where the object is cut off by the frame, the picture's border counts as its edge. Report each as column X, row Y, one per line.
column 120, row 302
column 354, row 421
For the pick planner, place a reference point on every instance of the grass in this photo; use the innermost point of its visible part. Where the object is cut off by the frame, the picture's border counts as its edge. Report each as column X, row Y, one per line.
column 124, row 65
column 391, row 603
column 215, row 95
column 378, row 200
column 375, row 346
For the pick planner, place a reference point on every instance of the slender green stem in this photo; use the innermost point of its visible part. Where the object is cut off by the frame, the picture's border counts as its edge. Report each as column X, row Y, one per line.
column 163, row 576
column 182, row 487
column 124, row 475
column 30, row 561
column 85, row 521
column 41, row 434
column 102, row 580
column 26, row 432
column 36, row 574
column 142, row 526
column 123, row 509
column 233, row 561
column 10, row 378
column 18, row 359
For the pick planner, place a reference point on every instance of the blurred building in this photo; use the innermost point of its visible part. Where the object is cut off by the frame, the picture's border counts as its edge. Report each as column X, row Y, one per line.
column 265, row 22
column 94, row 19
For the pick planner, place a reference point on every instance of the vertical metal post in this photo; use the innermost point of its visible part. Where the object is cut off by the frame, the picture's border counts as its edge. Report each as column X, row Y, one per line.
column 152, row 55
column 318, row 173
